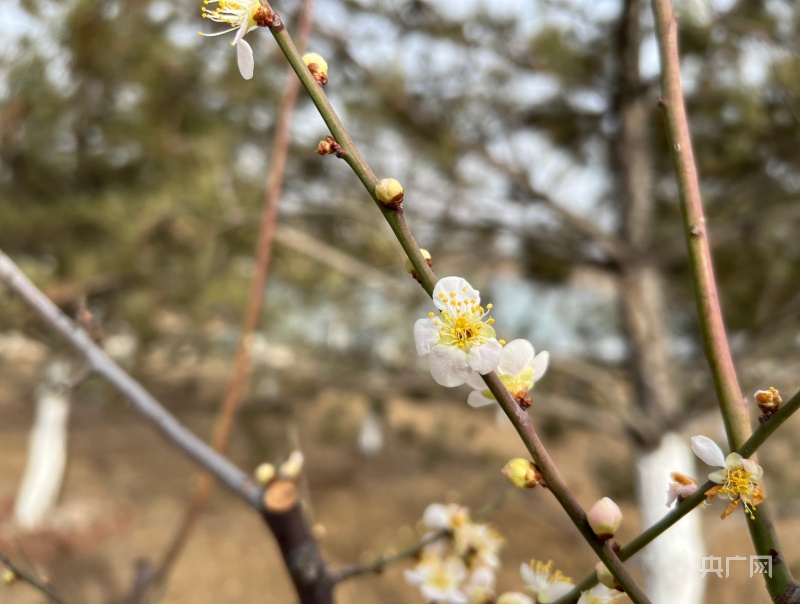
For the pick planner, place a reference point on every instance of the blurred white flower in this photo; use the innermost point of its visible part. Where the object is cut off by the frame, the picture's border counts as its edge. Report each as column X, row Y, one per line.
column 461, row 338
column 600, row 594
column 543, row 580
column 239, row 15
column 519, row 369
column 514, row 597
column 438, row 516
column 738, row 477
column 439, row 580
column 478, row 544
column 370, row 435
column 680, row 488
column 479, row 588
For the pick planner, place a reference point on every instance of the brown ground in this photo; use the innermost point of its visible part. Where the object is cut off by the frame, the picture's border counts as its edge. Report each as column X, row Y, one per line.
column 126, row 488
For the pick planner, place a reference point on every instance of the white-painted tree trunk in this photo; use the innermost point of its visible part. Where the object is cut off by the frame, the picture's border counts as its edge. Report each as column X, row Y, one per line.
column 671, row 562
column 47, row 449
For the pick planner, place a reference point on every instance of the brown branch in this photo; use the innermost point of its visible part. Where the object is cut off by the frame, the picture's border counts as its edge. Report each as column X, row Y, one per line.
column 298, row 548
column 31, row 580
column 263, row 254
column 715, row 343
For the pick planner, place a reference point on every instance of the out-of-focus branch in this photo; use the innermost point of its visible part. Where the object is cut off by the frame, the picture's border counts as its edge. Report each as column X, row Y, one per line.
column 377, row 565
column 759, row 437
column 241, row 366
column 30, row 579
column 556, row 484
column 282, row 514
column 715, row 343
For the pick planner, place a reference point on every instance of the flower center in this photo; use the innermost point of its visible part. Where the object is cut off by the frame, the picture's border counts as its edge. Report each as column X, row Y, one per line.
column 229, row 11
column 740, row 486
column 442, row 579
column 464, row 323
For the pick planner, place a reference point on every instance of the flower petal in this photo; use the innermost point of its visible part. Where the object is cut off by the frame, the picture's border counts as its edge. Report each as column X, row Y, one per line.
column 453, row 285
column 476, row 399
column 540, row 365
column 244, row 57
column 436, row 517
column 720, row 476
column 517, row 356
column 555, row 591
column 707, row 450
column 529, row 577
column 426, row 334
column 476, row 381
column 240, row 33
column 448, row 365
column 484, row 358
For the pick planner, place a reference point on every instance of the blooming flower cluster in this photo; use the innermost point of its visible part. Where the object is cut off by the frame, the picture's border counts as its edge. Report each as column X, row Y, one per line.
column 460, row 568
column 737, row 477
column 461, row 345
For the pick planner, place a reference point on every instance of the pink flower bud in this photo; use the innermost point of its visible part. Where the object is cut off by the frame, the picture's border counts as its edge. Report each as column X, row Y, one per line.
column 604, row 518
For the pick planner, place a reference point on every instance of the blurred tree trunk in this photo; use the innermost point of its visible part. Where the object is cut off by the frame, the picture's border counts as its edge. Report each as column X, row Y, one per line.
column 641, row 293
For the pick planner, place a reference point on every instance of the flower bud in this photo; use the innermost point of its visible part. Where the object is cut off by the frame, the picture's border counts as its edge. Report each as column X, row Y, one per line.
column 264, row 473
column 522, row 473
column 410, row 267
column 389, row 192
column 769, row 401
column 9, row 576
column 605, row 577
column 291, row 468
column 317, row 66
column 604, row 517
column 330, row 147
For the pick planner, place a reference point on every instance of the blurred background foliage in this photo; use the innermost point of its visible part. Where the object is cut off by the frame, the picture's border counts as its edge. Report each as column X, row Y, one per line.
column 133, row 158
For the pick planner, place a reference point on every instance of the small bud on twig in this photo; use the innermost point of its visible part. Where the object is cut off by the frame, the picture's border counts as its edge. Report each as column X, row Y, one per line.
column 9, row 576
column 605, row 577
column 330, row 147
column 522, row 473
column 291, row 468
column 769, row 401
column 317, row 66
column 410, row 267
column 604, row 517
column 265, row 473
column 389, row 192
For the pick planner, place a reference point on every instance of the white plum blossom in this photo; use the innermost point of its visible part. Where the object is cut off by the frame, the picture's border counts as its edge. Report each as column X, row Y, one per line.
column 519, row 369
column 461, row 339
column 239, row 14
column 600, row 594
column 440, row 517
column 548, row 584
column 514, row 597
column 439, row 579
column 680, row 488
column 479, row 544
column 479, row 588
column 737, row 477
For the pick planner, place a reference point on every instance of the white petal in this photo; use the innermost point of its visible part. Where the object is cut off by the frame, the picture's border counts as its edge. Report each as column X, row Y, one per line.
column 672, row 494
column 555, row 591
column 244, row 56
column 485, row 357
column 448, row 365
column 733, row 460
column 476, row 399
column 540, row 365
column 457, row 285
column 517, row 356
column 436, row 517
column 720, row 476
column 707, row 450
column 426, row 334
column 529, row 577
column 476, row 381
column 240, row 33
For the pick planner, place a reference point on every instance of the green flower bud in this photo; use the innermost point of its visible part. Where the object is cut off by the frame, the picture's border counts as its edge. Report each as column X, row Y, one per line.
column 389, row 192
column 522, row 473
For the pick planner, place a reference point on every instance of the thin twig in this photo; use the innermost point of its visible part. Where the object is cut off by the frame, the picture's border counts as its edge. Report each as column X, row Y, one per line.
column 31, row 580
column 236, row 480
column 715, row 343
column 396, row 220
column 241, row 366
column 759, row 437
column 377, row 565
